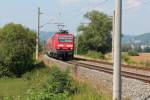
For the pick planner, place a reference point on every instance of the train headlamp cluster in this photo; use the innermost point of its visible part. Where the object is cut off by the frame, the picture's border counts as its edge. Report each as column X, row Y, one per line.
column 69, row 46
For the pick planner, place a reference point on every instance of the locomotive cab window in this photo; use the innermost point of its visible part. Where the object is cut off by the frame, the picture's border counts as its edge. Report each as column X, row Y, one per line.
column 65, row 39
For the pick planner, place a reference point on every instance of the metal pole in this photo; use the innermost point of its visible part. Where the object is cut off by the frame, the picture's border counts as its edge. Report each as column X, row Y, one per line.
column 113, row 32
column 117, row 51
column 44, row 49
column 77, row 44
column 37, row 37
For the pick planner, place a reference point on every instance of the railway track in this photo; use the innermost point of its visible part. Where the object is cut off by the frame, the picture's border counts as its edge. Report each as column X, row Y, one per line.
column 109, row 63
column 144, row 78
column 102, row 68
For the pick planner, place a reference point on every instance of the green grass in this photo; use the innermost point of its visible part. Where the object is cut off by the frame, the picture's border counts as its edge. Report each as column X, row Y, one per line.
column 31, row 85
column 95, row 55
column 88, row 93
column 14, row 87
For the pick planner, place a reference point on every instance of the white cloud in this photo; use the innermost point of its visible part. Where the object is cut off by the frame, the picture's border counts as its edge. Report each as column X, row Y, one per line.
column 52, row 19
column 91, row 2
column 90, row 8
column 70, row 1
column 134, row 4
column 96, row 5
column 96, row 1
column 93, row 5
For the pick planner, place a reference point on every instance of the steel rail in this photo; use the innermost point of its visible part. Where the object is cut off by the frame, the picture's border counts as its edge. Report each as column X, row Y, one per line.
column 109, row 63
column 136, row 76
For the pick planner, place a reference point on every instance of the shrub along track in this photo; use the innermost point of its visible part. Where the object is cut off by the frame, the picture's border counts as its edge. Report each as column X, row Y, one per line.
column 101, row 67
column 99, row 77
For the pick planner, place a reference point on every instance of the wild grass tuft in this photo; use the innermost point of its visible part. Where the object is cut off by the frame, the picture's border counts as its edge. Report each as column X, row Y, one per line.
column 95, row 55
column 45, row 83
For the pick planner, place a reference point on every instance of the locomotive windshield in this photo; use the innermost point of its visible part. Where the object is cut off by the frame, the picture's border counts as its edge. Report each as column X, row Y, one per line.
column 65, row 39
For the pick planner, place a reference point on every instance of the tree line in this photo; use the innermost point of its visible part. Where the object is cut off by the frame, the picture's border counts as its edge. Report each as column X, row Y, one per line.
column 17, row 46
column 17, row 43
column 96, row 35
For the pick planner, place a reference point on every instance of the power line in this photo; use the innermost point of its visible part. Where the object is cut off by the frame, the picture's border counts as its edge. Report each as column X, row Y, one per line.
column 81, row 10
column 102, row 2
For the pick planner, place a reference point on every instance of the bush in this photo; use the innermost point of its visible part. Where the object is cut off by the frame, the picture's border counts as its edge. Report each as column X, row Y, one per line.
column 125, row 57
column 146, row 63
column 59, row 86
column 17, row 47
column 39, row 83
column 95, row 55
column 95, row 36
column 60, row 82
column 133, row 53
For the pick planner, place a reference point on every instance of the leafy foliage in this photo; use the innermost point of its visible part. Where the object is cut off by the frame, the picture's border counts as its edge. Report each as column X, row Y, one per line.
column 126, row 59
column 95, row 55
column 59, row 86
column 60, row 82
column 126, row 47
column 147, row 50
column 145, row 63
column 96, row 36
column 17, row 45
column 133, row 53
column 39, row 83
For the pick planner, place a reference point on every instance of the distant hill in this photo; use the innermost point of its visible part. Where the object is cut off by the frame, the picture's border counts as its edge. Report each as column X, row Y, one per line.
column 140, row 39
column 127, row 39
column 144, row 38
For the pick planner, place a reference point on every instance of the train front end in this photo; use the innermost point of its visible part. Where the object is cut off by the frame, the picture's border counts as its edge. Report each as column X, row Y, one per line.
column 65, row 45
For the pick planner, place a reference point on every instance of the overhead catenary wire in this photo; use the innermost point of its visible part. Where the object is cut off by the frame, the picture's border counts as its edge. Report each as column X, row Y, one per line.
column 102, row 2
column 87, row 9
column 81, row 11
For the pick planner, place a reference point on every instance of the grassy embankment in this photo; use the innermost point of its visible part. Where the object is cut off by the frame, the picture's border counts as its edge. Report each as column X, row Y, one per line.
column 15, row 87
column 141, row 60
column 42, row 83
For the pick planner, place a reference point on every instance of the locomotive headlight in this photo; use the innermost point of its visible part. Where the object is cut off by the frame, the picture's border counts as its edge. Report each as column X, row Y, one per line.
column 70, row 46
column 60, row 45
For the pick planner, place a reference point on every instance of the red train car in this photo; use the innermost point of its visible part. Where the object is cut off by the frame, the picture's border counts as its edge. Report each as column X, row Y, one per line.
column 61, row 44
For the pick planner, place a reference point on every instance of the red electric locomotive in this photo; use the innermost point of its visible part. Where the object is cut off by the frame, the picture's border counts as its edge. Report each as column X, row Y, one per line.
column 61, row 44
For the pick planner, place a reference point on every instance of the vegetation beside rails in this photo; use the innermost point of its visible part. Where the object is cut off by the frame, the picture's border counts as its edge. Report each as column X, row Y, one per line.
column 96, row 35
column 127, row 60
column 17, row 46
column 95, row 55
column 133, row 53
column 19, row 87
column 146, row 63
column 44, row 83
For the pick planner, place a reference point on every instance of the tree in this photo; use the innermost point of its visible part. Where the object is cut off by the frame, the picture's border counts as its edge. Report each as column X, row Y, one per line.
column 17, row 45
column 126, row 47
column 96, row 36
column 147, row 50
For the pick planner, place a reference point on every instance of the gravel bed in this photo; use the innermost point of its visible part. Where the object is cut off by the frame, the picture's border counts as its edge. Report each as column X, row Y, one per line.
column 131, row 88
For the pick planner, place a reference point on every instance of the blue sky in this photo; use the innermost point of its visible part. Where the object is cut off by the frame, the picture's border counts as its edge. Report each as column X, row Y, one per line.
column 136, row 13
